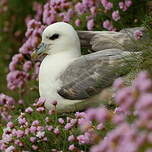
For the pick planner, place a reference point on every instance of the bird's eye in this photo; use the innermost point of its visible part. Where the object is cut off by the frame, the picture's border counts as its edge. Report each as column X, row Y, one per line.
column 54, row 36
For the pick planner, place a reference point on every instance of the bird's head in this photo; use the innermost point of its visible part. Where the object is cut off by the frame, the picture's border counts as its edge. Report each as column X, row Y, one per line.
column 56, row 38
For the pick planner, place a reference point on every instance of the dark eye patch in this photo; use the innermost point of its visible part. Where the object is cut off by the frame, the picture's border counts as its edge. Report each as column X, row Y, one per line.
column 54, row 36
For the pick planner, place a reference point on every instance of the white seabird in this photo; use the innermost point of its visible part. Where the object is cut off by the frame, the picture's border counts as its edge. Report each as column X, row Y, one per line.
column 73, row 80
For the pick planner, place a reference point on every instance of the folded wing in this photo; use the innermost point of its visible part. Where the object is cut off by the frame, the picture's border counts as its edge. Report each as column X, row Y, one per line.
column 90, row 74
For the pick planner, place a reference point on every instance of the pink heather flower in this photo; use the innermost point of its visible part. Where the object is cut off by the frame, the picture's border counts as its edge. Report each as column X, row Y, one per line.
column 56, row 131
column 19, row 143
column 115, row 15
column 84, row 139
column 119, row 118
column 40, row 128
column 123, row 6
column 49, row 128
column 100, row 126
column 142, row 82
column 27, row 66
column 73, row 121
column 33, row 139
column 40, row 101
column 71, row 138
column 90, row 24
column 118, row 83
column 40, row 134
column 6, row 100
column 71, row 147
column 123, row 95
column 34, row 147
column 40, row 109
column 91, row 113
column 10, row 124
column 33, row 129
column 61, row 121
column 27, row 131
column 68, row 126
column 144, row 102
column 80, row 9
column 107, row 5
column 10, row 149
column 39, row 10
column 88, row 3
column 80, row 114
column 19, row 133
column 17, row 57
column 16, row 79
column 54, row 103
column 138, row 34
column 45, row 139
column 12, row 66
column 108, row 25
column 118, row 110
column 93, row 11
column 128, row 3
column 77, row 22
column 29, row 110
column 35, row 123
column 84, row 124
column 101, row 115
column 22, row 121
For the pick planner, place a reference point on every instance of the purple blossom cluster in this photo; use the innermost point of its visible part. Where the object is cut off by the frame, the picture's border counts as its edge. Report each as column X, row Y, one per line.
column 16, row 135
column 127, row 135
column 138, row 34
column 6, row 105
column 19, row 67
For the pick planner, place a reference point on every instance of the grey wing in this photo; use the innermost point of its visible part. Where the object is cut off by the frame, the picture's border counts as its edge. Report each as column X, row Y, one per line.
column 89, row 74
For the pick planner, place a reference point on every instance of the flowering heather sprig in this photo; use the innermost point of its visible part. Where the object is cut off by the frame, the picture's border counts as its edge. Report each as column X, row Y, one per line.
column 115, row 15
column 127, row 135
column 6, row 106
column 124, row 5
column 19, row 66
column 138, row 34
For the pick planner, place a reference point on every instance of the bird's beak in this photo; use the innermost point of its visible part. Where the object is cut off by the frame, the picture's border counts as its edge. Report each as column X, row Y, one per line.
column 41, row 49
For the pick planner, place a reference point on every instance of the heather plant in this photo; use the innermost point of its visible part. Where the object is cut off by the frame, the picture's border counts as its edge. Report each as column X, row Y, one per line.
column 13, row 15
column 126, row 128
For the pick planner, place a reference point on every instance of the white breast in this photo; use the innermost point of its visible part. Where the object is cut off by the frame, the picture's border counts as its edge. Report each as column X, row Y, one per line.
column 50, row 70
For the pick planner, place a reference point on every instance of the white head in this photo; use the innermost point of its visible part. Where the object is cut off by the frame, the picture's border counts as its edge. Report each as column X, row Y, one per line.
column 57, row 38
